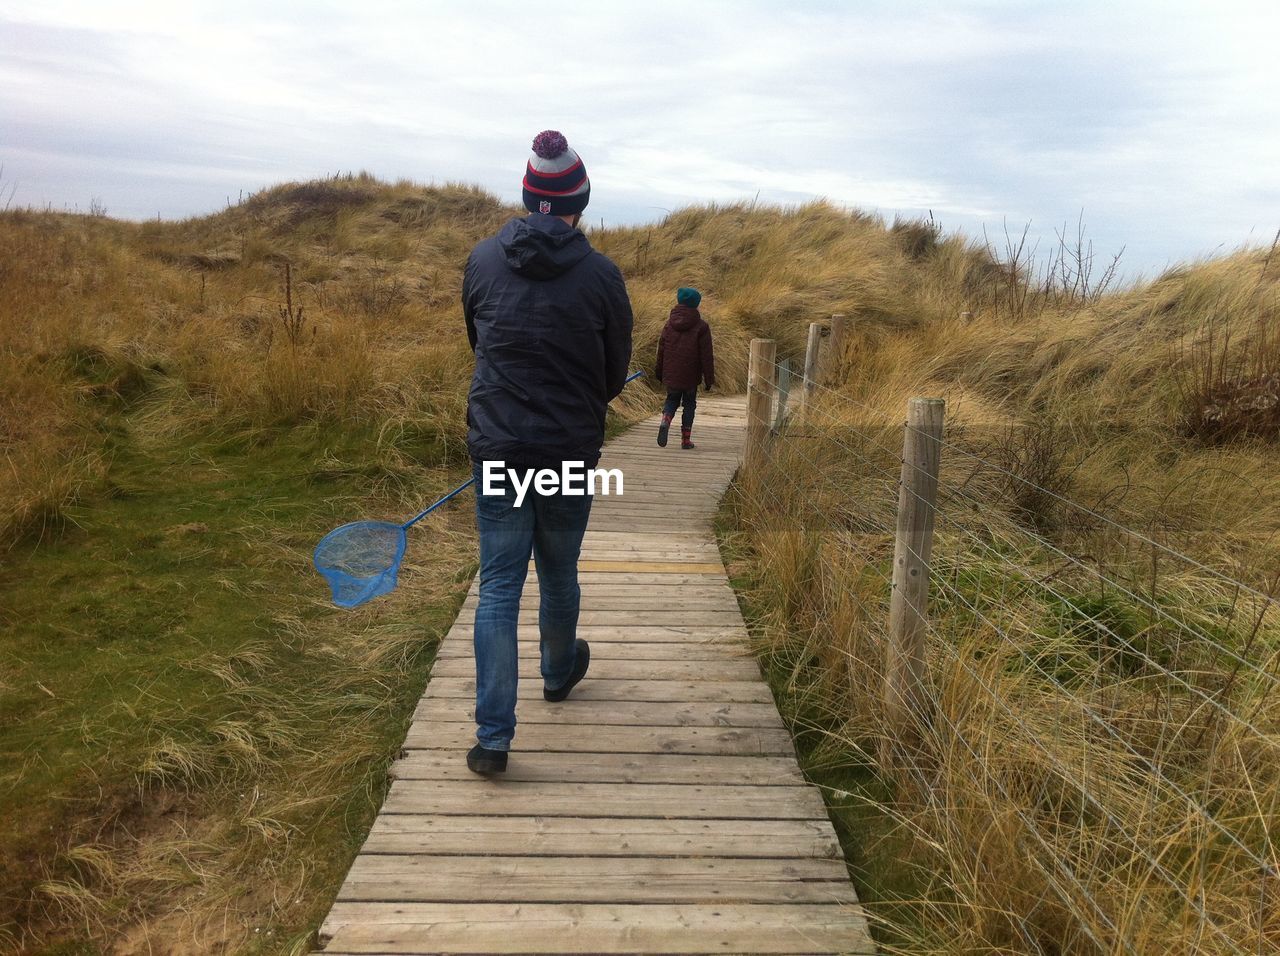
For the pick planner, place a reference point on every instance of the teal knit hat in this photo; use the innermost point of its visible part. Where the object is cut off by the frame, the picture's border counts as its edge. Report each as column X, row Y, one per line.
column 689, row 297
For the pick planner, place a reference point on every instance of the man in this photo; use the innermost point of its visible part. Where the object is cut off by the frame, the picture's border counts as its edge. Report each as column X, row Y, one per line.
column 550, row 323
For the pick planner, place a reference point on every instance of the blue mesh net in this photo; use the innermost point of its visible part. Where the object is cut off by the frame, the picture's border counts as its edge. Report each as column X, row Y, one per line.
column 360, row 560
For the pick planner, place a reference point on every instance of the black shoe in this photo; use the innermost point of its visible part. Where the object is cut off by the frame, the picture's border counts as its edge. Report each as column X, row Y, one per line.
column 662, row 434
column 580, row 665
column 482, row 760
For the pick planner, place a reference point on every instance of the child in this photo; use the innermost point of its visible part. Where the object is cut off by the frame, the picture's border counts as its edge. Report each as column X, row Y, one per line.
column 684, row 356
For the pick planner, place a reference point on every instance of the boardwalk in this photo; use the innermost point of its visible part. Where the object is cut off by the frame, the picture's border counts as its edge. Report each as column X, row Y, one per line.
column 659, row 810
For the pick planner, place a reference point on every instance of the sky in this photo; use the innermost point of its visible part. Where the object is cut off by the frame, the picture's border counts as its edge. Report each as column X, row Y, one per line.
column 1157, row 124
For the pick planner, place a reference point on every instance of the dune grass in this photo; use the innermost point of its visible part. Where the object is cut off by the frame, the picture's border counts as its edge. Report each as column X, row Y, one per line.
column 1098, row 772
column 193, row 741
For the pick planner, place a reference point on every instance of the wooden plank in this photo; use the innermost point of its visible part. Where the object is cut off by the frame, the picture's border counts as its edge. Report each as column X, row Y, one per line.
column 625, row 632
column 615, row 713
column 672, row 579
column 717, row 463
column 682, row 484
column 714, row 461
column 605, row 836
column 693, row 494
column 659, row 504
column 648, row 537
column 588, row 879
column 498, row 797
column 695, row 489
column 635, row 690
column 411, row 928
column 635, row 448
column 587, row 617
column 733, row 669
column 611, row 768
column 622, row 585
column 655, row 551
column 643, row 538
column 650, row 567
column 622, row 517
column 708, row 474
column 619, row 595
column 581, row 735
column 629, row 598
column 622, row 650
column 709, row 601
column 658, row 509
column 617, row 582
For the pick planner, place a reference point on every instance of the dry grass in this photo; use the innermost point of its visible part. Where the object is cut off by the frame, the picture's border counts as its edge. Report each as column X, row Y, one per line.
column 1099, row 773
column 125, row 341
column 211, row 802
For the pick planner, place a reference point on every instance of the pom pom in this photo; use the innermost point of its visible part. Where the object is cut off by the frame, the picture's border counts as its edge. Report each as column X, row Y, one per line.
column 549, row 144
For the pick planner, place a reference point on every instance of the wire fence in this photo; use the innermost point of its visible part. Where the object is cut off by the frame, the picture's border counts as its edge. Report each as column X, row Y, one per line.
column 1095, row 738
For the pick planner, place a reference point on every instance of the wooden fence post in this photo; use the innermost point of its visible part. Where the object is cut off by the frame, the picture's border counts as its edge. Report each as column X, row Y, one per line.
column 759, row 399
column 905, row 697
column 784, row 389
column 812, row 348
column 832, row 367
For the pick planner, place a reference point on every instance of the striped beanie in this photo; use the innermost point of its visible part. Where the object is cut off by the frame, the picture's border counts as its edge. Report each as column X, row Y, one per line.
column 555, row 180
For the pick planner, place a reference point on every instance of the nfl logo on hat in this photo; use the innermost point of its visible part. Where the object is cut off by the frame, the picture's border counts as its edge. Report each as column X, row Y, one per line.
column 544, row 207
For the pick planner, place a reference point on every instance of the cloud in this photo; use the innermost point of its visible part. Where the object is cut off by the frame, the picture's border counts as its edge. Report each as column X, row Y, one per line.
column 1157, row 120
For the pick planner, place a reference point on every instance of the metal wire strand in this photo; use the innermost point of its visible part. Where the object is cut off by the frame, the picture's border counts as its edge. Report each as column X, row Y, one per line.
column 1093, row 715
column 1024, row 574
column 1196, row 634
column 1074, row 882
column 1200, row 811
column 1085, row 509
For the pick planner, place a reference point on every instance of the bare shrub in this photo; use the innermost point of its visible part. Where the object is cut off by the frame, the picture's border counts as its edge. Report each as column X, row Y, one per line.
column 1230, row 392
column 292, row 322
column 1033, row 470
column 1026, row 285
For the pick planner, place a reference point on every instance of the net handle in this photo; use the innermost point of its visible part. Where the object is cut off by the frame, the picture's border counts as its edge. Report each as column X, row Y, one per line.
column 422, row 514
column 471, row 481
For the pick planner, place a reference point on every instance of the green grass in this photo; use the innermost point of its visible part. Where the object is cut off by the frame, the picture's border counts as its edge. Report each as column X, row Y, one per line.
column 174, row 673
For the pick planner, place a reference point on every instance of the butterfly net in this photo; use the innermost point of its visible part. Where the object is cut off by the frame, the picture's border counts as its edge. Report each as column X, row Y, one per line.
column 360, row 560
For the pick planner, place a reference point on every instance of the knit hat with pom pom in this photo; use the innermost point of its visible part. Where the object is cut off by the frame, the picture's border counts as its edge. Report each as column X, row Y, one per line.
column 555, row 180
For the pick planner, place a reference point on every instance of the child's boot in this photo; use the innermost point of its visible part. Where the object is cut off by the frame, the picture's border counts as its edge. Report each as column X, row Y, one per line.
column 685, row 441
column 662, row 431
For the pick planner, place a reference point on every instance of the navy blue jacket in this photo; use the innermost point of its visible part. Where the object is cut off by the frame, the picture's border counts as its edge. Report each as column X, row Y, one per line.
column 550, row 322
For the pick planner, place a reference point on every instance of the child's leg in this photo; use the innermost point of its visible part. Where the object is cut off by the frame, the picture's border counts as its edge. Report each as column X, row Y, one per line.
column 672, row 403
column 668, row 413
column 686, row 420
column 690, row 399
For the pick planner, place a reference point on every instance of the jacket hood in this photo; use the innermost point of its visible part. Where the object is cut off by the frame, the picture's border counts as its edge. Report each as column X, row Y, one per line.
column 683, row 318
column 542, row 247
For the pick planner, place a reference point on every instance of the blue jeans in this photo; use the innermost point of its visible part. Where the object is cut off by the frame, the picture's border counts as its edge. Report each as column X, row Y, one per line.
column 551, row 527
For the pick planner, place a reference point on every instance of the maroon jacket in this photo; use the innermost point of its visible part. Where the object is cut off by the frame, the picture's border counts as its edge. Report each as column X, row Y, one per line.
column 684, row 351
